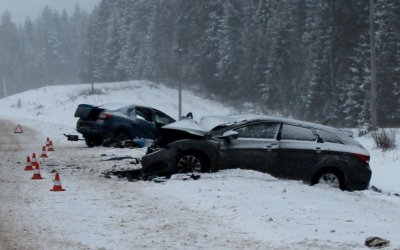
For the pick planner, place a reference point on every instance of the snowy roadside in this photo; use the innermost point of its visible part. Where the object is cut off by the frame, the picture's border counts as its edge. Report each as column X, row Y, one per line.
column 233, row 209
column 227, row 210
column 96, row 212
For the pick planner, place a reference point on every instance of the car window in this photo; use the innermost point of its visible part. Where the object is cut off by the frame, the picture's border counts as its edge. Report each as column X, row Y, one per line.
column 143, row 114
column 328, row 136
column 162, row 119
column 259, row 130
column 131, row 112
column 291, row 132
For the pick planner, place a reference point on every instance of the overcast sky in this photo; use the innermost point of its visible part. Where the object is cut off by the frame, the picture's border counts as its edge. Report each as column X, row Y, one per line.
column 20, row 9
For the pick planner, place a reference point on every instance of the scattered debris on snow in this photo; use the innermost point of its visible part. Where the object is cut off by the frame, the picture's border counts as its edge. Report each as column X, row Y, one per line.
column 376, row 242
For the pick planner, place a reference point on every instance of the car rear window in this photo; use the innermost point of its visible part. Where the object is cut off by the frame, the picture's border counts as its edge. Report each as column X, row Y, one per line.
column 328, row 136
column 291, row 132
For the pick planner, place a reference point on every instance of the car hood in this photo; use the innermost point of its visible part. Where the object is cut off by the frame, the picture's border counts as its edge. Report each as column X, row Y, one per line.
column 205, row 124
column 188, row 125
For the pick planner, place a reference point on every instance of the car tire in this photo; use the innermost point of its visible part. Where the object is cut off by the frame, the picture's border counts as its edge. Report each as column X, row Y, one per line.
column 189, row 162
column 330, row 177
column 92, row 141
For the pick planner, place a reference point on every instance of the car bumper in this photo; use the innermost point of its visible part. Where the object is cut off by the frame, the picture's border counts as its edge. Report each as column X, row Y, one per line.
column 359, row 181
column 159, row 163
column 90, row 128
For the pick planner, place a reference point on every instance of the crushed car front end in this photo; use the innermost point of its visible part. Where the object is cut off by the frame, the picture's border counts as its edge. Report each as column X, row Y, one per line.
column 160, row 162
column 183, row 139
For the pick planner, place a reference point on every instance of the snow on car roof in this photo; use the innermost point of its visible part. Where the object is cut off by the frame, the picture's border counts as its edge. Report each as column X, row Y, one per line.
column 118, row 105
column 210, row 122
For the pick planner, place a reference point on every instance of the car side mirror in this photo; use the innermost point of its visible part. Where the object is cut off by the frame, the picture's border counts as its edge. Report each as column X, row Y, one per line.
column 189, row 115
column 228, row 135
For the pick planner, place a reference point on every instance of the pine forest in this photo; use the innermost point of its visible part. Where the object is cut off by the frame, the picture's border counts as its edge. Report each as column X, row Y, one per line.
column 306, row 59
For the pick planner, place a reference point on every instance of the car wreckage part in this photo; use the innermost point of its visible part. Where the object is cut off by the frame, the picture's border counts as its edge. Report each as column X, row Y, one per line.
column 72, row 137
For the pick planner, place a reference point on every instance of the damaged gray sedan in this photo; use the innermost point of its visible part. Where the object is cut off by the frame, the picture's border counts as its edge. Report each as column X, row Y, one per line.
column 284, row 148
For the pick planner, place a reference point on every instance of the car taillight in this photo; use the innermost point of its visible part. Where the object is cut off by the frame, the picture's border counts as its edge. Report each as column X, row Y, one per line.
column 104, row 116
column 361, row 157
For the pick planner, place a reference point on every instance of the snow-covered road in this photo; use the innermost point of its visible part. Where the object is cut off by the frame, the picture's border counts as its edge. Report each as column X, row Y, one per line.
column 96, row 212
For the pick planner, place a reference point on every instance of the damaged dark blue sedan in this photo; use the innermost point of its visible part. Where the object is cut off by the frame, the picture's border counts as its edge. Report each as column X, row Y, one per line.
column 117, row 122
column 284, row 148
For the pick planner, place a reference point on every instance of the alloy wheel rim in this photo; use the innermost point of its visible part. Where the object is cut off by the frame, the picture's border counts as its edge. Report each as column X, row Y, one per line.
column 329, row 179
column 189, row 163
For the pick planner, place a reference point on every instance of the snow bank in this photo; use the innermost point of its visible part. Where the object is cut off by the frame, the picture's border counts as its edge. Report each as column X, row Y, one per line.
column 57, row 104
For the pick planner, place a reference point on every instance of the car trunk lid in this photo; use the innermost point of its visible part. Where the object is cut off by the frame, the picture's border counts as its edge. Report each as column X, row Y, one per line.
column 88, row 112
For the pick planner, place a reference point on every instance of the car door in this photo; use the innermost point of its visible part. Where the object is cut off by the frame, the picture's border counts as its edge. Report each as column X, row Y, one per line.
column 142, row 122
column 255, row 148
column 332, row 149
column 299, row 152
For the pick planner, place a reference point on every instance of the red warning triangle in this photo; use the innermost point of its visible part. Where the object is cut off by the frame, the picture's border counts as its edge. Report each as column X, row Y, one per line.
column 18, row 130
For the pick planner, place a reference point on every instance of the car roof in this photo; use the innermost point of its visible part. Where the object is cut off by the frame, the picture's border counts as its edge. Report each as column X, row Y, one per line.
column 347, row 136
column 117, row 106
column 207, row 123
column 210, row 122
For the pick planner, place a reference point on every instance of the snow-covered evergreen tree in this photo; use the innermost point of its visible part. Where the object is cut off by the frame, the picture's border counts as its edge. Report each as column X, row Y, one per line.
column 230, row 49
column 9, row 53
column 355, row 93
column 307, row 59
column 279, row 73
column 388, row 61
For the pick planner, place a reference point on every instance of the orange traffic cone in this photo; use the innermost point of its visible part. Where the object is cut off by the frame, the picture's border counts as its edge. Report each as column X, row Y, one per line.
column 35, row 163
column 50, row 147
column 57, row 184
column 36, row 174
column 44, row 153
column 28, row 166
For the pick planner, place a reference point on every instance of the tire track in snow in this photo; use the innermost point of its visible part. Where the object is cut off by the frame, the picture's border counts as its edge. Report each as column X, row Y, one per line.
column 13, row 147
column 9, row 144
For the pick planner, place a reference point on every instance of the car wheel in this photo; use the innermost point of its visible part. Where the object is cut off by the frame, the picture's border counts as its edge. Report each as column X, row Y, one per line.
column 92, row 141
column 331, row 178
column 191, row 162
